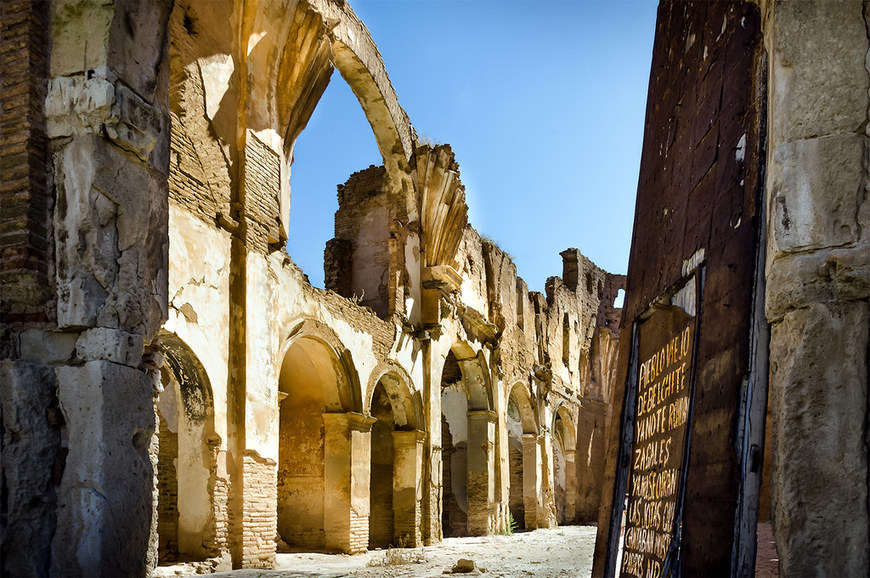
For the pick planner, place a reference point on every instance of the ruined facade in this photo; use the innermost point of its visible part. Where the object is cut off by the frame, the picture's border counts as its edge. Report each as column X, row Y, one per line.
column 173, row 388
column 751, row 230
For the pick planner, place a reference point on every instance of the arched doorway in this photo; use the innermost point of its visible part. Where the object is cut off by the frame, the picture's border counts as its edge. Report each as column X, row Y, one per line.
column 396, row 465
column 186, row 459
column 524, row 458
column 467, row 441
column 323, row 451
column 564, row 468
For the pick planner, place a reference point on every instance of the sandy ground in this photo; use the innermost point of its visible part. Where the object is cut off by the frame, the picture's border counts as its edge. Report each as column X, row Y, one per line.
column 565, row 551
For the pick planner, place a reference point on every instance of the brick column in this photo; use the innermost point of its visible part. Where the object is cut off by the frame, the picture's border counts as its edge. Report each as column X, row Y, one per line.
column 481, row 469
column 408, row 486
column 346, row 479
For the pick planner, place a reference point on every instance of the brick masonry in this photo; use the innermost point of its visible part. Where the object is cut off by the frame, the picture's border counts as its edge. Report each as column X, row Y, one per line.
column 26, row 258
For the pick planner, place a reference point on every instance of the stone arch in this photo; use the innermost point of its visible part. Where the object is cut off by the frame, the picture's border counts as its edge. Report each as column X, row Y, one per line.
column 341, row 359
column 467, row 441
column 564, row 468
column 319, row 455
column 189, row 502
column 524, row 457
column 396, row 456
column 406, row 400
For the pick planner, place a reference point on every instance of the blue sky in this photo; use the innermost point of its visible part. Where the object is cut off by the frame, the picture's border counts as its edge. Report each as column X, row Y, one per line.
column 542, row 102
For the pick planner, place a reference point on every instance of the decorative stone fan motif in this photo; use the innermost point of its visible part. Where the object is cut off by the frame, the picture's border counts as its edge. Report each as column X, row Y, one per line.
column 444, row 213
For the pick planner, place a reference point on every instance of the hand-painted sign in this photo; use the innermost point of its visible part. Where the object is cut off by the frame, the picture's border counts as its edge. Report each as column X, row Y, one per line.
column 664, row 383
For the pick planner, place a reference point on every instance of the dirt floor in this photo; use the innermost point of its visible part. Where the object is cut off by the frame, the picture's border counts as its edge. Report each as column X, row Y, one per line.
column 565, row 551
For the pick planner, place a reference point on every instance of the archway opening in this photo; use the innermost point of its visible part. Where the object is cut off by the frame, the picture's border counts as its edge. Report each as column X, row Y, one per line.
column 318, row 167
column 468, row 439
column 186, row 459
column 454, row 446
column 564, row 467
column 381, row 528
column 311, row 387
column 395, row 494
column 524, row 458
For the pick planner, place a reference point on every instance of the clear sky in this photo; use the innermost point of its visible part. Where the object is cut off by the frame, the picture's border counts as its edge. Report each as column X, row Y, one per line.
column 542, row 102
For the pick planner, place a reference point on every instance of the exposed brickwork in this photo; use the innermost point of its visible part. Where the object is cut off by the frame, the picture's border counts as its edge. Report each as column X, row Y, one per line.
column 262, row 187
column 25, row 196
column 363, row 219
column 167, row 493
column 259, row 524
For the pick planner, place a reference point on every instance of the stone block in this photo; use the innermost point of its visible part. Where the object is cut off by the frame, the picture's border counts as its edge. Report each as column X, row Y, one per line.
column 31, row 446
column 138, row 127
column 105, row 514
column 820, row 85
column 79, row 35
column 77, row 105
column 111, row 238
column 816, row 189
column 101, row 343
column 46, row 346
column 801, row 279
column 138, row 45
column 818, row 381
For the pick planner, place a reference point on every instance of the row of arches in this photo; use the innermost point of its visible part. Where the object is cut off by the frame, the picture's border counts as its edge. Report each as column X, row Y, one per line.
column 348, row 480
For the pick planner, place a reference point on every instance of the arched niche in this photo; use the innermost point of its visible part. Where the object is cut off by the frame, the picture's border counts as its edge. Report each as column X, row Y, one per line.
column 467, row 441
column 319, row 407
column 524, row 457
column 187, row 504
column 396, row 463
column 564, row 467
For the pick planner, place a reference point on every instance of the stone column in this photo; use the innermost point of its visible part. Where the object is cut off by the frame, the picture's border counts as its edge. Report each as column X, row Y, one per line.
column 817, row 279
column 431, row 507
column 408, row 485
column 547, row 510
column 570, row 486
column 481, row 468
column 346, row 479
column 531, row 480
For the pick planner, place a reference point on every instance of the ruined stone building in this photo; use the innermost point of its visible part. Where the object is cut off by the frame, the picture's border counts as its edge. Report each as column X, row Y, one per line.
column 741, row 399
column 173, row 388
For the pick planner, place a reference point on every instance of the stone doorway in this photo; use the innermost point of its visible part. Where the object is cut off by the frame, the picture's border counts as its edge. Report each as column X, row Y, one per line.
column 468, row 436
column 524, row 458
column 322, row 452
column 186, row 459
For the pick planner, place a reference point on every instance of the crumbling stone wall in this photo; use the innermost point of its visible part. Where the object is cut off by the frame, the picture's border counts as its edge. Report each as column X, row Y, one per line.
column 162, row 196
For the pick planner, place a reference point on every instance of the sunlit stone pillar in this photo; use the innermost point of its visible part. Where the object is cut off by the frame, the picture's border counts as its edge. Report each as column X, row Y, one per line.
column 570, row 486
column 407, row 486
column 531, row 480
column 547, row 509
column 481, row 471
column 346, row 478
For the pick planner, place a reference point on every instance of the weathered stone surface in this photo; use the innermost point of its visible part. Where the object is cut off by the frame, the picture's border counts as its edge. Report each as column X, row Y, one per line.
column 819, row 84
column 29, row 460
column 111, row 223
column 137, row 127
column 104, row 519
column 105, row 344
column 80, row 35
column 817, row 189
column 798, row 280
column 818, row 381
column 46, row 346
column 78, row 105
